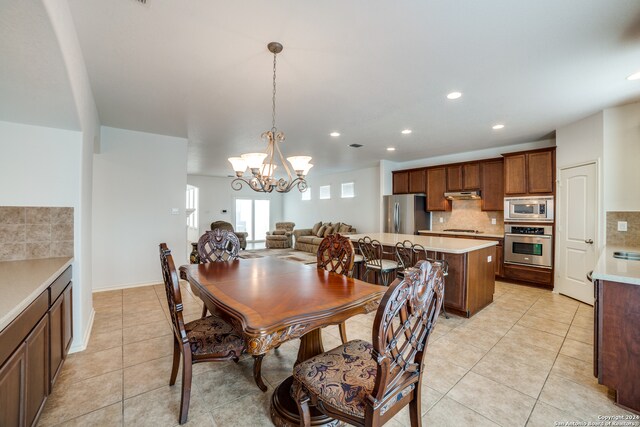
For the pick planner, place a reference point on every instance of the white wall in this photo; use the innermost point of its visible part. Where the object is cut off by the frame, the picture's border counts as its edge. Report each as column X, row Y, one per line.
column 621, row 156
column 362, row 211
column 137, row 179
column 41, row 166
column 217, row 195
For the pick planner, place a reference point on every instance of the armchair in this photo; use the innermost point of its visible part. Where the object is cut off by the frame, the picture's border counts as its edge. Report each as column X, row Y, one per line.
column 281, row 236
column 224, row 225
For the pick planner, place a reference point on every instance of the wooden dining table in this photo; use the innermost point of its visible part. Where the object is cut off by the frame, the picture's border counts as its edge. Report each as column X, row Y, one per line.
column 272, row 301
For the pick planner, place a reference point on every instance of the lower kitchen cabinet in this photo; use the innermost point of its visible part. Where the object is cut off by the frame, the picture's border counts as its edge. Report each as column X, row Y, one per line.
column 32, row 349
column 535, row 276
column 616, row 348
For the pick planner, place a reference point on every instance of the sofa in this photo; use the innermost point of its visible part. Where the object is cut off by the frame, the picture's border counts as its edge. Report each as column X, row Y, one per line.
column 308, row 239
column 224, row 225
column 280, row 238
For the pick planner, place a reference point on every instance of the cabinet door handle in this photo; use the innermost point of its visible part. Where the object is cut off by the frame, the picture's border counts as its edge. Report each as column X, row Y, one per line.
column 589, row 241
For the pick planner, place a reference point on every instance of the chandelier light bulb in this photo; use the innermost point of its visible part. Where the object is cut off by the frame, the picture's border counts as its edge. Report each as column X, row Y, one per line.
column 254, row 160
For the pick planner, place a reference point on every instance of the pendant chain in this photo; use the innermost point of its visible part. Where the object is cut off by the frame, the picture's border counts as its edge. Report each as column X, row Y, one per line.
column 273, row 99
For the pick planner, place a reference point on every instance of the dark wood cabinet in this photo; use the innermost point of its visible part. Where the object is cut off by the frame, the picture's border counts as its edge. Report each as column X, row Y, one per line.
column 416, row 181
column 540, row 172
column 13, row 388
column 400, row 182
column 492, row 185
column 499, row 265
column 529, row 173
column 536, row 276
column 37, row 374
column 454, row 178
column 515, row 179
column 463, row 177
column 32, row 349
column 61, row 331
column 616, row 349
column 436, row 187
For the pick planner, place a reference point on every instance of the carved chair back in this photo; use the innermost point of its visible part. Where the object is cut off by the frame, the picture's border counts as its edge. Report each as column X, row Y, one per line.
column 371, row 251
column 172, row 288
column 403, row 323
column 336, row 254
column 419, row 250
column 404, row 254
column 218, row 245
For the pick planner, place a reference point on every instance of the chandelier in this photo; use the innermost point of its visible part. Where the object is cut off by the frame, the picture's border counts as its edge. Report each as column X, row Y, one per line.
column 263, row 165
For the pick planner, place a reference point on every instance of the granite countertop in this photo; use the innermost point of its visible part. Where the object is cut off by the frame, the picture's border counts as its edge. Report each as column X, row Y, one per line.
column 22, row 281
column 461, row 233
column 617, row 270
column 447, row 245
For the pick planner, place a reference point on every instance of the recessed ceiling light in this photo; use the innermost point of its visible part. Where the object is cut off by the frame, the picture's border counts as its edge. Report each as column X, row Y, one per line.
column 406, row 131
column 334, row 134
column 454, row 95
column 498, row 127
column 634, row 76
column 391, row 149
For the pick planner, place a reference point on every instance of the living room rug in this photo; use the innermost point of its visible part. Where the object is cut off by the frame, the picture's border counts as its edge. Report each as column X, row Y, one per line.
column 285, row 254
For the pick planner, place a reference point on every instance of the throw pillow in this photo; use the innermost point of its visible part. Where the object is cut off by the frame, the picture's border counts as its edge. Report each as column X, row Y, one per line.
column 315, row 228
column 320, row 232
column 328, row 231
column 344, row 228
column 336, row 227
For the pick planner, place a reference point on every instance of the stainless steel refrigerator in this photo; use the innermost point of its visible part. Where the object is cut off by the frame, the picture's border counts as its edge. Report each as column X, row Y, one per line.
column 406, row 214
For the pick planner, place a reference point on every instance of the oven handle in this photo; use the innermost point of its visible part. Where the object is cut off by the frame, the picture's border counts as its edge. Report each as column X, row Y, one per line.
column 539, row 236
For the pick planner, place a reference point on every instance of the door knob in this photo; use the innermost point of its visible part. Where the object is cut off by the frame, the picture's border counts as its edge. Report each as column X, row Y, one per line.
column 589, row 241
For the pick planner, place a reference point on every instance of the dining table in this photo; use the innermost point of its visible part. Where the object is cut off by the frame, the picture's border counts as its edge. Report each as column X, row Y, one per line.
column 272, row 301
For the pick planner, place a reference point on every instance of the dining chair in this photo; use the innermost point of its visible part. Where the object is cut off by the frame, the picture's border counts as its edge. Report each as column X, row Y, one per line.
column 336, row 254
column 372, row 252
column 210, row 339
column 220, row 245
column 409, row 253
column 366, row 384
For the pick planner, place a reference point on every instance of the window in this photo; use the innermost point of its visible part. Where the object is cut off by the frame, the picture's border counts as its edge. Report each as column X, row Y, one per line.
column 192, row 206
column 348, row 190
column 252, row 216
column 306, row 195
column 325, row 192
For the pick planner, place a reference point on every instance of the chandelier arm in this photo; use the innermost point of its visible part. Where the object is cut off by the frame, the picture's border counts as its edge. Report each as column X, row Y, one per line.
column 282, row 159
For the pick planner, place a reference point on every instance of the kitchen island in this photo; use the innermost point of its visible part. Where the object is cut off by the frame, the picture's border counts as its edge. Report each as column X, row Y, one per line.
column 470, row 284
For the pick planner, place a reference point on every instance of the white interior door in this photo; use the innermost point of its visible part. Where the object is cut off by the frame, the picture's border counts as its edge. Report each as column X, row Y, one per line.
column 577, row 231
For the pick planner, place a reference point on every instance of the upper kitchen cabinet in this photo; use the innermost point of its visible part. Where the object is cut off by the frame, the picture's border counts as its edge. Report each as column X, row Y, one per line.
column 529, row 173
column 409, row 181
column 400, row 182
column 436, row 187
column 416, row 181
column 463, row 177
column 492, row 184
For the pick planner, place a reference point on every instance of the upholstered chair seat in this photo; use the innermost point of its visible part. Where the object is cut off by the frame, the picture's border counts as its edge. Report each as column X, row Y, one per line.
column 213, row 335
column 342, row 377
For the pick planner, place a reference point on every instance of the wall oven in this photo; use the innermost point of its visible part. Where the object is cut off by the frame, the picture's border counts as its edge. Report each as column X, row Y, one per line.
column 528, row 245
column 538, row 209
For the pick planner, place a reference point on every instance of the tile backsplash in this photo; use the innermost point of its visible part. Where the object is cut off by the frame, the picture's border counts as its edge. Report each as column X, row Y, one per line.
column 35, row 232
column 631, row 237
column 468, row 214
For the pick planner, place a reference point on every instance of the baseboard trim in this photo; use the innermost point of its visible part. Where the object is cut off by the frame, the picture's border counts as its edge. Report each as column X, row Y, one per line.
column 129, row 286
column 76, row 347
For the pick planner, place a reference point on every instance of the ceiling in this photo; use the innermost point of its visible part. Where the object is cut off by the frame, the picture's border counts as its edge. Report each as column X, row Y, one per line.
column 34, row 85
column 368, row 69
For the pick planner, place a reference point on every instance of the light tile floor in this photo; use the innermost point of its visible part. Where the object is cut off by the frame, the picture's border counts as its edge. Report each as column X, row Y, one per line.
column 524, row 360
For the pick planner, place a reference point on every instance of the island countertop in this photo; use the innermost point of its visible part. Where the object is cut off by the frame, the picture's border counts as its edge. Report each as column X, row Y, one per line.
column 447, row 245
column 615, row 269
column 22, row 281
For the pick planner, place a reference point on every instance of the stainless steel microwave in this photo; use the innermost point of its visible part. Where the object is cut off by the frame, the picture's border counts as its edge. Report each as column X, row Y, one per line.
column 538, row 209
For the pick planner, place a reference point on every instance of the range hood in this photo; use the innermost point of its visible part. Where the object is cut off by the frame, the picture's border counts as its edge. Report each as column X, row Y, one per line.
column 462, row 195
